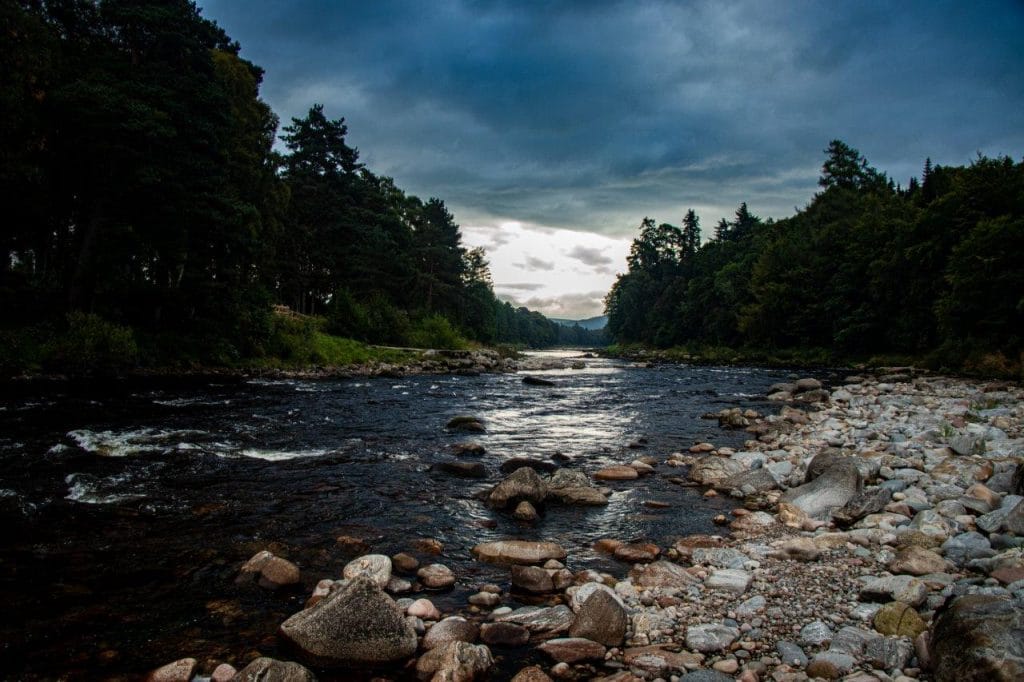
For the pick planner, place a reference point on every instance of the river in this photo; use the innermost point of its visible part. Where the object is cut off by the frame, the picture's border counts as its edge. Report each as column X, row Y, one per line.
column 127, row 507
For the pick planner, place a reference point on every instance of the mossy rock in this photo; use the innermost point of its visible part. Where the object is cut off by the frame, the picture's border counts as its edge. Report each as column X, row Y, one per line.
column 897, row 618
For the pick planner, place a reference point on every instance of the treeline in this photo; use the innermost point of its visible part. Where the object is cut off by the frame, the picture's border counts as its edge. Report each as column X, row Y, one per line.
column 931, row 272
column 144, row 199
column 530, row 328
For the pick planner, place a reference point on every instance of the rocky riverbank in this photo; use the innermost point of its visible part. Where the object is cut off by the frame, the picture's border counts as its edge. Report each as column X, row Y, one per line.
column 877, row 535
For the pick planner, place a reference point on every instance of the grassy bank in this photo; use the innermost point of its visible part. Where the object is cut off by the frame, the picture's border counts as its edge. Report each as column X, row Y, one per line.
column 84, row 344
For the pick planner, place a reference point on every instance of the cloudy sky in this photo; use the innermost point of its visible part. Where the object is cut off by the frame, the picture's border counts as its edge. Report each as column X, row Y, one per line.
column 552, row 128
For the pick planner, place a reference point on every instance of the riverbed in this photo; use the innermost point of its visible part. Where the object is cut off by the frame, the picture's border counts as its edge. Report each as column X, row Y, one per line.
column 129, row 506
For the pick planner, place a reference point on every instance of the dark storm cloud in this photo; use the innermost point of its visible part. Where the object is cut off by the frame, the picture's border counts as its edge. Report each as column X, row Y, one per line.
column 591, row 115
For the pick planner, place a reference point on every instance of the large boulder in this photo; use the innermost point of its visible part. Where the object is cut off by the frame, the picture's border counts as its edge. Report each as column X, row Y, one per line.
column 822, row 462
column 523, row 484
column 601, row 618
column 356, row 625
column 868, row 501
column 518, row 551
column 979, row 637
column 832, row 489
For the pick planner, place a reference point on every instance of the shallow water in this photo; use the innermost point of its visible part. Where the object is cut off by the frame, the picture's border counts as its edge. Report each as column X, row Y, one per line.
column 128, row 508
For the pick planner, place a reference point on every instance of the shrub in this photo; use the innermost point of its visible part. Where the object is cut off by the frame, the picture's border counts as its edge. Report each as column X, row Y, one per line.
column 92, row 345
column 435, row 331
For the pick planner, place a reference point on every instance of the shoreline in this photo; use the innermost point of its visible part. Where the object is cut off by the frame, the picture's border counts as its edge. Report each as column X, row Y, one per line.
column 876, row 538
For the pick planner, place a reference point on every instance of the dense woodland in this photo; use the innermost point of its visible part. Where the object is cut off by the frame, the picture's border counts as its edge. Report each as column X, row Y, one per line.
column 149, row 217
column 929, row 272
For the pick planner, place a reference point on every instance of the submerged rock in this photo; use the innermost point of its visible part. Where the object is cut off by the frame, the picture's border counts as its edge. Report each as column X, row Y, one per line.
column 466, row 423
column 357, row 625
column 518, row 551
column 271, row 571
column 523, row 484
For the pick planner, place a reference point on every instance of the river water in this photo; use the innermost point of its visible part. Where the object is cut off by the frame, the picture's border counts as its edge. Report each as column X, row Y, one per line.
column 128, row 507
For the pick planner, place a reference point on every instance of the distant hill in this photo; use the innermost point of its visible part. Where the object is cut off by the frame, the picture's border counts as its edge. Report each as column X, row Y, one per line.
column 592, row 323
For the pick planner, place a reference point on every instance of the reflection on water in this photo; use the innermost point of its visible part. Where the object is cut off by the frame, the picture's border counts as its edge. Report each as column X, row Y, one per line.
column 128, row 509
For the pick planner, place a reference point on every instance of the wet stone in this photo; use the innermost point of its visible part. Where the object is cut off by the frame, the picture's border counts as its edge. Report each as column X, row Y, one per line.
column 436, row 576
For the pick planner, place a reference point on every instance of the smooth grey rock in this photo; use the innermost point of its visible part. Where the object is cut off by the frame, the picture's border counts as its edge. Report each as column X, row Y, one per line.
column 817, row 633
column 833, row 489
column 760, row 480
column 355, row 625
column 903, row 588
column 708, row 637
column 966, row 546
column 751, row 607
column 887, row 653
column 791, row 654
column 823, row 461
column 967, row 444
column 851, row 640
column 720, row 557
column 868, row 501
column 729, row 579
column 830, row 660
column 930, row 522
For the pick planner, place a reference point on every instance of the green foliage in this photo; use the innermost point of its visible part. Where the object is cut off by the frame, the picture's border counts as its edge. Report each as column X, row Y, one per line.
column 435, row 331
column 140, row 183
column 864, row 270
column 91, row 345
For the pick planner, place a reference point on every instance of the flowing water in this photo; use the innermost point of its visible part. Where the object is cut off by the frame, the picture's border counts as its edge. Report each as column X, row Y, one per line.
column 127, row 508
